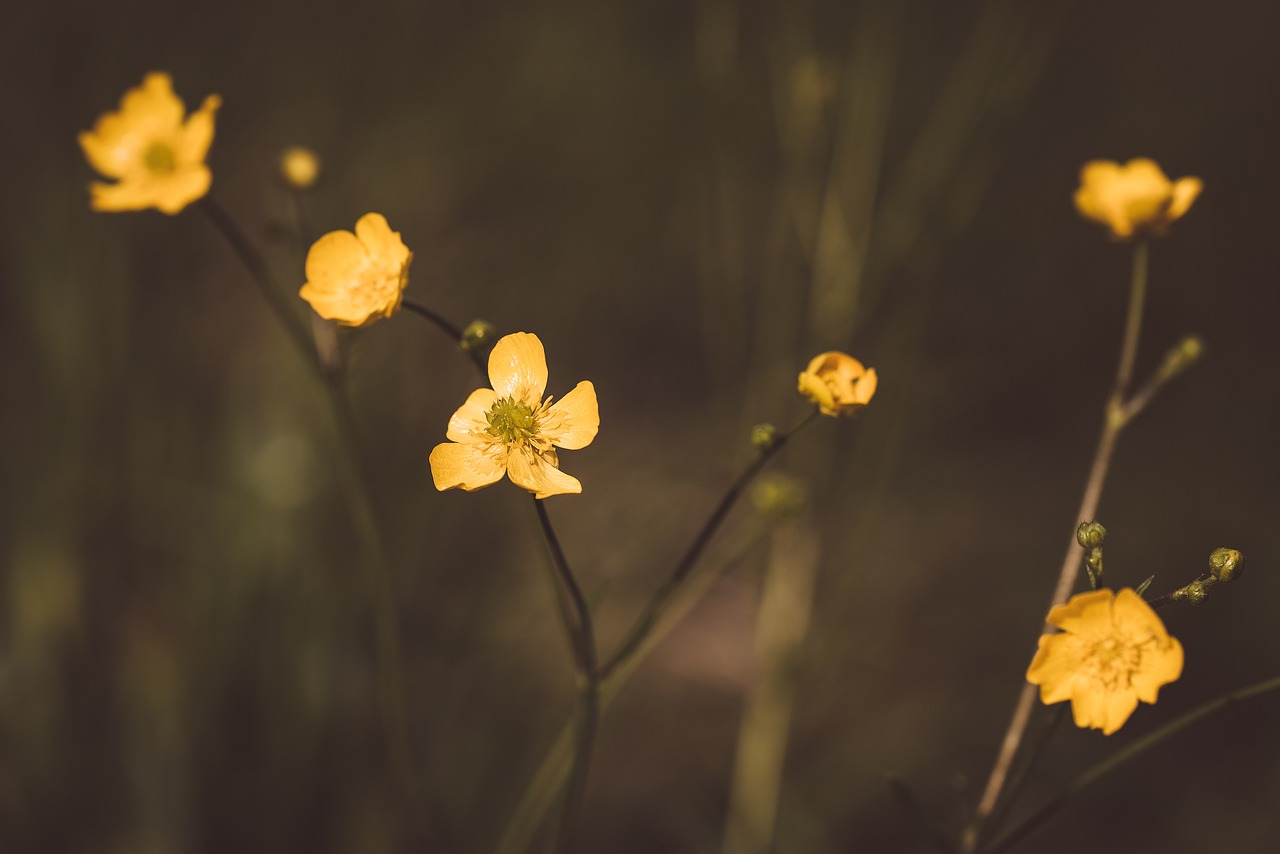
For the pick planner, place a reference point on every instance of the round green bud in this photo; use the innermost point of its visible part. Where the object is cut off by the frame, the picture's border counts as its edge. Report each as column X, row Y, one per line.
column 478, row 334
column 1226, row 564
column 1090, row 535
column 1195, row 593
column 763, row 436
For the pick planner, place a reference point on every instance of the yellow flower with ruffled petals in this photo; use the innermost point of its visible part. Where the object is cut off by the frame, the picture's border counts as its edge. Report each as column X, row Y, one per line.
column 1112, row 652
column 510, row 429
column 156, row 158
column 837, row 383
column 357, row 278
column 1134, row 198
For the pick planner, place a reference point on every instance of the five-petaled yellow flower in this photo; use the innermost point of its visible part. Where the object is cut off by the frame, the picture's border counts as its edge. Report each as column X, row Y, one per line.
column 510, row 429
column 838, row 383
column 1134, row 198
column 357, row 278
column 155, row 157
column 1112, row 652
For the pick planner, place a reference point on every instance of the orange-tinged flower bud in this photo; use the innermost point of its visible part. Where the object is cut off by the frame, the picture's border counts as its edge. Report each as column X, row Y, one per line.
column 1135, row 198
column 299, row 167
column 837, row 383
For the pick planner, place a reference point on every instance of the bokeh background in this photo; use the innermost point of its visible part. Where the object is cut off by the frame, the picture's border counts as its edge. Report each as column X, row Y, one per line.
column 686, row 199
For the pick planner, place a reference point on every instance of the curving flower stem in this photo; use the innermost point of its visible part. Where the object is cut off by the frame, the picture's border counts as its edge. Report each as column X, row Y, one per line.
column 582, row 632
column 391, row 688
column 451, row 329
column 662, row 596
column 1116, row 417
column 261, row 275
column 1121, row 757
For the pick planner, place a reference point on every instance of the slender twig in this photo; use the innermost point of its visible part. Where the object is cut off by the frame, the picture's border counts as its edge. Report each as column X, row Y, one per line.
column 643, row 625
column 1113, row 423
column 454, row 332
column 1121, row 757
column 261, row 275
column 585, row 657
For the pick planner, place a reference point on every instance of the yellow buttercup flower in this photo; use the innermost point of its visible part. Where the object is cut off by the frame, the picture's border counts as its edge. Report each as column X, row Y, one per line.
column 357, row 278
column 1134, row 198
column 1112, row 652
column 838, row 383
column 155, row 157
column 510, row 429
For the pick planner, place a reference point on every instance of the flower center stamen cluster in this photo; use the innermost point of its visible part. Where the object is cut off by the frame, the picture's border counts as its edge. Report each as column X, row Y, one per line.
column 159, row 158
column 511, row 420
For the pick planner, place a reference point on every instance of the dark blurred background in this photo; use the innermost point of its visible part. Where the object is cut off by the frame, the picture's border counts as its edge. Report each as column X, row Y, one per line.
column 685, row 201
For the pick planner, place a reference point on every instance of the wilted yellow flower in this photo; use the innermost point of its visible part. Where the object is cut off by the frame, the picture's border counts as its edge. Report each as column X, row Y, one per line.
column 1135, row 198
column 1112, row 652
column 510, row 429
column 299, row 167
column 357, row 278
column 156, row 158
column 838, row 383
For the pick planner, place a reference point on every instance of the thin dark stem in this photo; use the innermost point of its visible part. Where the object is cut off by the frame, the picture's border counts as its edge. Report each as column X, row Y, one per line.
column 261, row 274
column 1019, row 779
column 451, row 329
column 588, row 714
column 1120, row 758
column 635, row 637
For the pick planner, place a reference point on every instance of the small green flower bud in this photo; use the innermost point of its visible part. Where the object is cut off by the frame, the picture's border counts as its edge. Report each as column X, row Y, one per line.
column 1090, row 535
column 1194, row 593
column 1226, row 564
column 763, row 436
column 478, row 334
column 1187, row 352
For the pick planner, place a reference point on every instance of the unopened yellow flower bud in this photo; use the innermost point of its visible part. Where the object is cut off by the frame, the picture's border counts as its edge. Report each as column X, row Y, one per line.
column 299, row 167
column 837, row 383
column 1226, row 564
column 1090, row 535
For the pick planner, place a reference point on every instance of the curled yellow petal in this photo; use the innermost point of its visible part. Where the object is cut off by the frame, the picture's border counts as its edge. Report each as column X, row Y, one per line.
column 837, row 383
column 518, row 367
column 469, row 467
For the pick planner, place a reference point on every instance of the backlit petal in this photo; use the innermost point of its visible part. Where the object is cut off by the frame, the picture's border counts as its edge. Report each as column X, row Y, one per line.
column 192, row 145
column 1084, row 613
column 383, row 244
column 573, row 420
column 518, row 368
column 468, row 424
column 1161, row 664
column 469, row 467
column 532, row 472
column 1054, row 668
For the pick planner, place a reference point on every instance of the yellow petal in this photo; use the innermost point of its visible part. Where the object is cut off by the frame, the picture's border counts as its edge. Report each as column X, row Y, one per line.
column 153, row 102
column 572, row 421
column 1057, row 662
column 1135, row 616
column 469, row 424
column 518, row 368
column 1119, row 705
column 192, row 144
column 468, row 467
column 1089, row 704
column 1185, row 191
column 1161, row 664
column 334, row 260
column 531, row 471
column 1083, row 613
column 865, row 388
column 383, row 244
column 169, row 194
